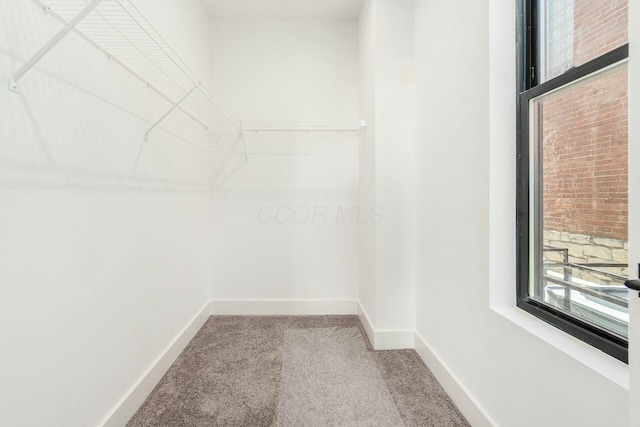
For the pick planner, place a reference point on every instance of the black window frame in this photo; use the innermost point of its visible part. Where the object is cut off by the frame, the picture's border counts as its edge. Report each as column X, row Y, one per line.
column 528, row 89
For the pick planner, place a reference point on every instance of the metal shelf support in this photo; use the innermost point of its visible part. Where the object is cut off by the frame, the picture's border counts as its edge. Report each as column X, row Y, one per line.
column 176, row 105
column 226, row 160
column 13, row 82
column 244, row 143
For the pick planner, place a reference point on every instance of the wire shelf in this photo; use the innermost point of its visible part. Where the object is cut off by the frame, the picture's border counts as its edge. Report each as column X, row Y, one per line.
column 185, row 111
column 120, row 30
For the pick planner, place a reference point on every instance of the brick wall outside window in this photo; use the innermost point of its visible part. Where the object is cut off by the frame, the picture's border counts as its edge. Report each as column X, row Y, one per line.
column 585, row 154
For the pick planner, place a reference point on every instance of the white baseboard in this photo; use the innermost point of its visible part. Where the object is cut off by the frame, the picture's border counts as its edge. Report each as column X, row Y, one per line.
column 367, row 325
column 467, row 405
column 283, row 307
column 385, row 339
column 131, row 402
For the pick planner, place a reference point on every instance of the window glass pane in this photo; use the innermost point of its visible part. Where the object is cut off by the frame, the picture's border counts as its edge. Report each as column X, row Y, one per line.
column 573, row 32
column 580, row 199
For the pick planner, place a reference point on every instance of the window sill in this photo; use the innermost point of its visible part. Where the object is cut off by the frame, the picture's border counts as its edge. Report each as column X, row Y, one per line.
column 594, row 359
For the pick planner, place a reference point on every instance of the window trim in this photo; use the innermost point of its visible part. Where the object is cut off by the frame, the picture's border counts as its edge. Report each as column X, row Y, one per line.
column 528, row 89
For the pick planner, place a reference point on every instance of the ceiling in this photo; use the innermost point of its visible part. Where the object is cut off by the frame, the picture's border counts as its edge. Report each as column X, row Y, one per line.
column 283, row 9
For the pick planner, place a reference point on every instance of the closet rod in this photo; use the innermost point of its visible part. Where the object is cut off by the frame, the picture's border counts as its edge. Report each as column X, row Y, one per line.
column 304, row 126
column 13, row 82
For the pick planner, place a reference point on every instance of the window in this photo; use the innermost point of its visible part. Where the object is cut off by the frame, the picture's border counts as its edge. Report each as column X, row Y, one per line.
column 573, row 168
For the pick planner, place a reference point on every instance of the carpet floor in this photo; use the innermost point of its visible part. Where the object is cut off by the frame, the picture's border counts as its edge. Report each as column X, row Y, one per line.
column 294, row 371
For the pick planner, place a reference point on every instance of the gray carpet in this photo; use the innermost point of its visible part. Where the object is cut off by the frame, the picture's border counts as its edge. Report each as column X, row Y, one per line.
column 329, row 379
column 294, row 371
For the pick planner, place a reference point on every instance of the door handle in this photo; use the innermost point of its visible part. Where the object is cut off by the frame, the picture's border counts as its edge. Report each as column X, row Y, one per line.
column 633, row 284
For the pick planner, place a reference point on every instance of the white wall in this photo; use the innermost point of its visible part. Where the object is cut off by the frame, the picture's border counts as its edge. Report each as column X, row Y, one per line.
column 388, row 169
column 519, row 371
column 277, row 230
column 367, row 232
column 395, row 166
column 284, row 248
column 286, row 69
column 97, row 277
